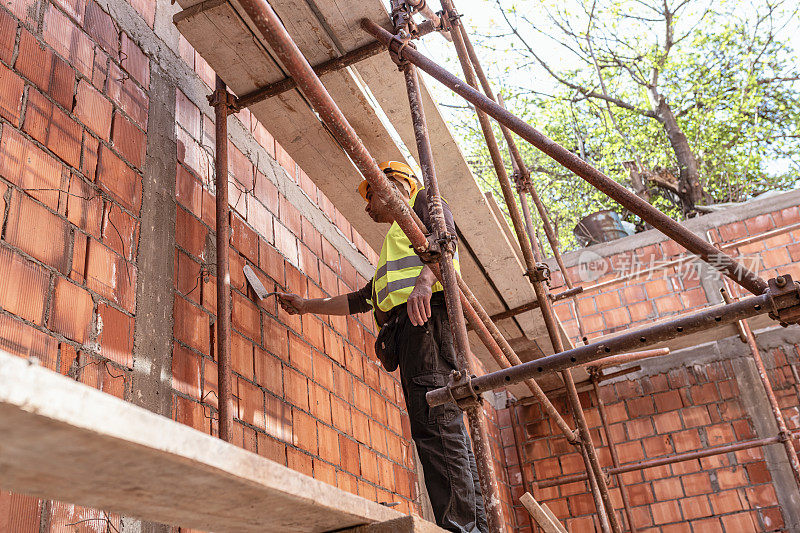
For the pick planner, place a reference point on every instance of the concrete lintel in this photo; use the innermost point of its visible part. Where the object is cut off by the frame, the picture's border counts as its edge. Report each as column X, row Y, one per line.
column 66, row 441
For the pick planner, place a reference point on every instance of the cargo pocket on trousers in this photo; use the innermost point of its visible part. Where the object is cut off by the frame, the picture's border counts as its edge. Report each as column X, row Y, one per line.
column 441, row 414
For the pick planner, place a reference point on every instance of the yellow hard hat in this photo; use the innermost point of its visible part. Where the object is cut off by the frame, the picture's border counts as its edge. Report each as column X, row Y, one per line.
column 397, row 170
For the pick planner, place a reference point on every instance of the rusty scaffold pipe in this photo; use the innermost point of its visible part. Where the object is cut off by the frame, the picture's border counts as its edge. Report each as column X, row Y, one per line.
column 783, row 431
column 723, row 262
column 781, row 300
column 446, row 250
column 222, row 102
column 612, row 448
column 535, row 272
column 270, row 27
column 662, row 461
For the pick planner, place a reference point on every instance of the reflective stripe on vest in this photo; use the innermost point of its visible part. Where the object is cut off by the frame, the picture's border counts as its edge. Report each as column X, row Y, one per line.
column 398, row 268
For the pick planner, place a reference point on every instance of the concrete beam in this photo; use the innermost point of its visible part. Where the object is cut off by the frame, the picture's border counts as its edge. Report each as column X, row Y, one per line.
column 66, row 441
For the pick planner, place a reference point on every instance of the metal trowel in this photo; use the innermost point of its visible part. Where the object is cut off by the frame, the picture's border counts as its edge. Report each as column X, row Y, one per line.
column 256, row 284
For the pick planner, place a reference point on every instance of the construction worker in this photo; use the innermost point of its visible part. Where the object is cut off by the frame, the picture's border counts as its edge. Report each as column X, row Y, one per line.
column 409, row 307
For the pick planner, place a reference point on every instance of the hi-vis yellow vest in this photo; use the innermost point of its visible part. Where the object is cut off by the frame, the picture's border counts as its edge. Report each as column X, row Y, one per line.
column 398, row 268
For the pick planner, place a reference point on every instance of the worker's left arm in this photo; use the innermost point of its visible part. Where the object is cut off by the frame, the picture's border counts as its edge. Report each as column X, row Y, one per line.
column 419, row 301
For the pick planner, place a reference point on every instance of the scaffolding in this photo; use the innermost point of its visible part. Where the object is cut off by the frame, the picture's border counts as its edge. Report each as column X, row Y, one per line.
column 779, row 297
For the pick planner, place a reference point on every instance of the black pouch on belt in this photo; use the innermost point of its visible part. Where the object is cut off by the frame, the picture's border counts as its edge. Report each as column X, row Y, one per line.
column 385, row 346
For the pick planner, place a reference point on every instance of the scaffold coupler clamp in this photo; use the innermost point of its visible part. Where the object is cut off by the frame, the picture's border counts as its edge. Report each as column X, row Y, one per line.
column 784, row 435
column 461, row 378
column 403, row 38
column 220, row 96
column 519, row 182
column 540, row 273
column 449, row 19
column 432, row 252
column 777, row 287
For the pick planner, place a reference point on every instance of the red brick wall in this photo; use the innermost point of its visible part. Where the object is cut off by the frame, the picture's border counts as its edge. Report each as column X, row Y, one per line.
column 309, row 392
column 675, row 290
column 74, row 98
column 683, row 410
column 74, row 104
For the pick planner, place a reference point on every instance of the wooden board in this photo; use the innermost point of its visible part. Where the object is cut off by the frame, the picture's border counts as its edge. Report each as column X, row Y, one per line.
column 545, row 521
column 65, row 441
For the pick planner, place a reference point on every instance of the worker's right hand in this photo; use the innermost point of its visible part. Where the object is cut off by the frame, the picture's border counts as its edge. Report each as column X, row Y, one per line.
column 291, row 303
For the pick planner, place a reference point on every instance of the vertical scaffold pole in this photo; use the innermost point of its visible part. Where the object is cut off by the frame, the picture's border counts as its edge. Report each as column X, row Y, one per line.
column 477, row 422
column 784, row 435
column 535, row 276
column 221, row 100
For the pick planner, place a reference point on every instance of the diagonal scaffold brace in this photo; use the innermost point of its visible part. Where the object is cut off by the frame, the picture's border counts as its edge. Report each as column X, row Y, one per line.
column 537, row 272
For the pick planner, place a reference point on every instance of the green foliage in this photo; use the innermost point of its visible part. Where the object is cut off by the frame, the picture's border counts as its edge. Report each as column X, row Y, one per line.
column 726, row 72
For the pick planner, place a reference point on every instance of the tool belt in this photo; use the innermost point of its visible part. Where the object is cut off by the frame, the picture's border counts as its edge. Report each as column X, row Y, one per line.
column 386, row 342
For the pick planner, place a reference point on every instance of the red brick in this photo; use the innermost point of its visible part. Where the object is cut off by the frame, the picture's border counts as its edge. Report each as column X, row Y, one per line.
column 667, row 401
column 246, row 317
column 640, row 406
column 726, row 502
column 244, row 239
column 276, row 338
column 251, row 404
column 185, row 371
column 100, row 26
column 48, row 72
column 128, row 139
column 187, row 114
column 361, row 431
column 189, row 191
column 68, row 40
column 23, row 163
column 119, row 231
column 191, row 325
column 129, row 96
column 242, row 356
column 740, row 523
column 694, row 484
column 260, row 218
column 268, row 371
column 19, row 513
column 328, row 444
column 72, row 311
column 758, row 473
column 134, row 61
column 190, row 233
column 38, row 232
column 665, row 512
column 304, row 431
column 11, row 87
column 116, row 336
column 667, row 489
column 720, row 434
column 84, row 206
column 120, row 180
column 639, row 428
column 729, row 478
column 295, row 388
column 8, row 36
column 696, row 416
column 93, row 109
column 23, row 286
column 110, row 275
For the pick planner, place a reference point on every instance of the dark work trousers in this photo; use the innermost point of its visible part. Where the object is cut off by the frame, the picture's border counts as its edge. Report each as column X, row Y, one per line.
column 426, row 357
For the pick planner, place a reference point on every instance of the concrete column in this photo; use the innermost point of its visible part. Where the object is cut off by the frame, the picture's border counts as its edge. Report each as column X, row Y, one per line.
column 151, row 383
column 754, row 398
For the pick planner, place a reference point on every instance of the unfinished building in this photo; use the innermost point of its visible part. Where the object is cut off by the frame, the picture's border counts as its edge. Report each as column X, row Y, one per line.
column 144, row 386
